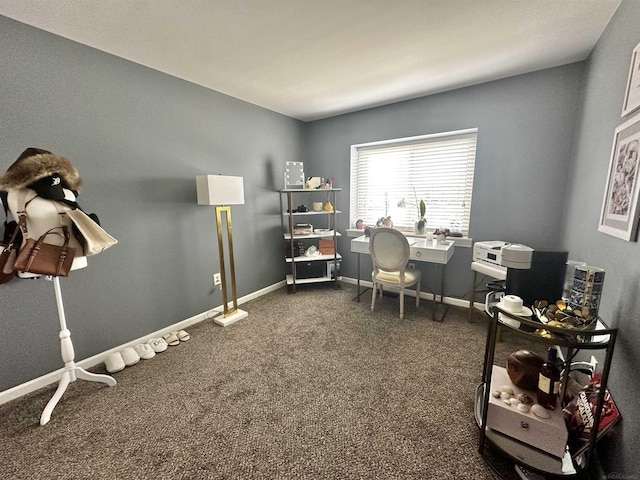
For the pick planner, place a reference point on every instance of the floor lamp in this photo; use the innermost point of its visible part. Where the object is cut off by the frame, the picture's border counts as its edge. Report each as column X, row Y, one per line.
column 222, row 191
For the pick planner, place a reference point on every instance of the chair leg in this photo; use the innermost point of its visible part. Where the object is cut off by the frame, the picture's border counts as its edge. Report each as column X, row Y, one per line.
column 373, row 296
column 417, row 294
column 401, row 303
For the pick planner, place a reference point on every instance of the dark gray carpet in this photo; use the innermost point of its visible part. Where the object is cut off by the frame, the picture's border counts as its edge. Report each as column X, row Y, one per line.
column 311, row 385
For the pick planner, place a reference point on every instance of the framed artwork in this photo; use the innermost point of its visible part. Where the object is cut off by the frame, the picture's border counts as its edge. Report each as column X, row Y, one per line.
column 619, row 216
column 632, row 93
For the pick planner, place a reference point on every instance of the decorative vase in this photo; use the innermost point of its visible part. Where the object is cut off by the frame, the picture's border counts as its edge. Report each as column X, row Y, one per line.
column 420, row 227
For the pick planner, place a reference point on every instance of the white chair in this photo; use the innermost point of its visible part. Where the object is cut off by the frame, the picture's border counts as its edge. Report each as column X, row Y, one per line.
column 389, row 250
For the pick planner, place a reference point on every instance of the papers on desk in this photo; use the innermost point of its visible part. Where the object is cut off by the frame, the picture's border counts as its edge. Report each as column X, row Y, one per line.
column 411, row 242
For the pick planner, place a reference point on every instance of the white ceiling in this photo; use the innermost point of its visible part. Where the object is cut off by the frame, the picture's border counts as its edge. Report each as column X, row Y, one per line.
column 311, row 59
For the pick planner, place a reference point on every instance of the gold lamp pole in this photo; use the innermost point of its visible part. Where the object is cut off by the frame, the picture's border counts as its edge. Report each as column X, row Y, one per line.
column 222, row 191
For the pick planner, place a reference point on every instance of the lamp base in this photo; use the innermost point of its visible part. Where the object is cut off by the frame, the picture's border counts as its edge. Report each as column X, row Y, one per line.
column 233, row 318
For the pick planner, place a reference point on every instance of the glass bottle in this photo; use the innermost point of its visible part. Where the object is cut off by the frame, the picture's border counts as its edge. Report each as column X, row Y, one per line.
column 549, row 381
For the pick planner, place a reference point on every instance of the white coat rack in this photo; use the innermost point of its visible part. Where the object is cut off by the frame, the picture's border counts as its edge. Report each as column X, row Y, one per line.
column 71, row 371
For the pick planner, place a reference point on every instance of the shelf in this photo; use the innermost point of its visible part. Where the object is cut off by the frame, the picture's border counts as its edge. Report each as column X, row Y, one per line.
column 300, row 281
column 521, row 452
column 316, row 234
column 311, row 266
column 303, row 258
column 310, row 190
column 587, row 339
column 311, row 212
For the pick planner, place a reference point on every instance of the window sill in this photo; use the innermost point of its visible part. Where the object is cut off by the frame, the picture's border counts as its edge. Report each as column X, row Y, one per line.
column 465, row 242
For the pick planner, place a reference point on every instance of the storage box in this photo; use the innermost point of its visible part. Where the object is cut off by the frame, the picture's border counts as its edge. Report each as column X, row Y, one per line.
column 310, row 269
column 327, row 247
column 299, row 247
column 546, row 434
column 331, row 270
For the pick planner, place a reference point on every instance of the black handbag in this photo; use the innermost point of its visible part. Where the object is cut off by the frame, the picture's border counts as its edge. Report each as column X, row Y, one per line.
column 11, row 241
column 8, row 252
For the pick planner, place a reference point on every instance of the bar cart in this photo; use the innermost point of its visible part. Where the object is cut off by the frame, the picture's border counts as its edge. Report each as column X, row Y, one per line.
column 574, row 463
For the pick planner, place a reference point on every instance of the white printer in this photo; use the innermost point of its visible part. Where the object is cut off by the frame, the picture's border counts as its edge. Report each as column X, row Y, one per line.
column 493, row 257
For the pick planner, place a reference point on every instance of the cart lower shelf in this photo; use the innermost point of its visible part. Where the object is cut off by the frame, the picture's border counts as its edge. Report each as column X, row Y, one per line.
column 300, row 281
column 522, row 453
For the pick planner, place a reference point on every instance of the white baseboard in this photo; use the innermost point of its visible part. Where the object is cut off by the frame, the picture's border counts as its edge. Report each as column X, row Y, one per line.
column 458, row 302
column 53, row 377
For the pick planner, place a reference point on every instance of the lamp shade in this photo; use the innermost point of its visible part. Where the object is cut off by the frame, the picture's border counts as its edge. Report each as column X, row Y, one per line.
column 220, row 190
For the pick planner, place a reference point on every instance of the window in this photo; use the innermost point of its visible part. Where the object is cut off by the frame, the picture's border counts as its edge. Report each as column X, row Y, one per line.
column 436, row 168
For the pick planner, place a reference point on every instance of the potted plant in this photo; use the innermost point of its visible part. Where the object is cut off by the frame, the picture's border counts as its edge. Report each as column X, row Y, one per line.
column 441, row 234
column 420, row 226
column 386, row 220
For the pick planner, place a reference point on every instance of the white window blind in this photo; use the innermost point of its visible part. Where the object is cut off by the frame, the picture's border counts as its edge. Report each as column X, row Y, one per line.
column 436, row 168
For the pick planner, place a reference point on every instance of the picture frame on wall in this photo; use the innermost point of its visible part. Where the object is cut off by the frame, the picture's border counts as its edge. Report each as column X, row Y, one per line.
column 619, row 216
column 632, row 93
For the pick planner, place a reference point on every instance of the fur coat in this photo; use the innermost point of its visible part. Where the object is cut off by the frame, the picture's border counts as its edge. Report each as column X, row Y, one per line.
column 29, row 169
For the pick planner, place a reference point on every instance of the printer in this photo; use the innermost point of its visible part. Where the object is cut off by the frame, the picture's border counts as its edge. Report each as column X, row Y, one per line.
column 495, row 256
column 532, row 274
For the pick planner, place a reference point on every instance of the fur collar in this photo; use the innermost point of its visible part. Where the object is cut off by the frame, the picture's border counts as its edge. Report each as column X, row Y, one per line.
column 30, row 169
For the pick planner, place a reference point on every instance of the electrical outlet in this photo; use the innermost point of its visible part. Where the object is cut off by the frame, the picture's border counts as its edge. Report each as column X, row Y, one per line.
column 412, row 265
column 216, row 279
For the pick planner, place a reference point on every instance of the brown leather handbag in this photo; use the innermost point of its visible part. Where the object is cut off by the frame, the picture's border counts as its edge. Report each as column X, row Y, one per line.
column 42, row 258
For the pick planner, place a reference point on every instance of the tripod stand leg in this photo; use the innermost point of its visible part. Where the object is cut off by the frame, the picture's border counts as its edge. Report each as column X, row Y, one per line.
column 62, row 386
column 82, row 374
column 71, row 372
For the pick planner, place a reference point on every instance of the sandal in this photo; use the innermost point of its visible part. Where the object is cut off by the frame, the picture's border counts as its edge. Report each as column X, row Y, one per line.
column 182, row 335
column 172, row 339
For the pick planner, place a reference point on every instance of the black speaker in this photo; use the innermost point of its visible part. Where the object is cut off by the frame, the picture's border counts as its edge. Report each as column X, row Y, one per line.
column 543, row 281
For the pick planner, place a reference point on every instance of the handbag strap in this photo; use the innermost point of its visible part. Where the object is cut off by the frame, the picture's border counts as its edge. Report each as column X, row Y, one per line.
column 23, row 203
column 22, row 209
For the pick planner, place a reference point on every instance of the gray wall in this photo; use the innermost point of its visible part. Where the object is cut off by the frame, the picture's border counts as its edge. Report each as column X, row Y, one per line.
column 138, row 138
column 544, row 145
column 606, row 78
column 525, row 126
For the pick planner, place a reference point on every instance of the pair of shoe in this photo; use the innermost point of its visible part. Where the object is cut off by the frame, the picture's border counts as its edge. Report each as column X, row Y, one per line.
column 116, row 361
column 174, row 338
column 129, row 356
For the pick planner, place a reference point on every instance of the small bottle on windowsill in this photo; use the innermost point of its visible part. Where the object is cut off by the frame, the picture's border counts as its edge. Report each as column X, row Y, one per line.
column 549, row 381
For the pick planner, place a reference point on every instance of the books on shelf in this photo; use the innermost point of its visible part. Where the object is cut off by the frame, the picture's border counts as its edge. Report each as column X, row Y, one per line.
column 579, row 414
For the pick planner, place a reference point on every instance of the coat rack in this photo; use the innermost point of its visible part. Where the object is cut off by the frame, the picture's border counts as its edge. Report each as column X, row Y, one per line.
column 71, row 371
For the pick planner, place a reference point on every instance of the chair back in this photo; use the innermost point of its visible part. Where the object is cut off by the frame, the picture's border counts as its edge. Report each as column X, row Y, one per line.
column 389, row 250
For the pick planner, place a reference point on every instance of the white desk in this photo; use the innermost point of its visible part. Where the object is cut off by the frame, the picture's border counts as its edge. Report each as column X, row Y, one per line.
column 421, row 250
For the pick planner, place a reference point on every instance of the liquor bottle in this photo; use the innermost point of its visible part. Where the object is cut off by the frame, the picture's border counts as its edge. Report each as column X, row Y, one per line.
column 549, row 381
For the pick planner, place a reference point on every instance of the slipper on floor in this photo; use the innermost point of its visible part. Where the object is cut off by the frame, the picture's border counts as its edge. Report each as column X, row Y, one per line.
column 130, row 356
column 157, row 344
column 182, row 335
column 145, row 351
column 172, row 339
column 114, row 362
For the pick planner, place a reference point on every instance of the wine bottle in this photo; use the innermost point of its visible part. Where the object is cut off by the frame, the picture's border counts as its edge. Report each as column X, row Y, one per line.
column 549, row 381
